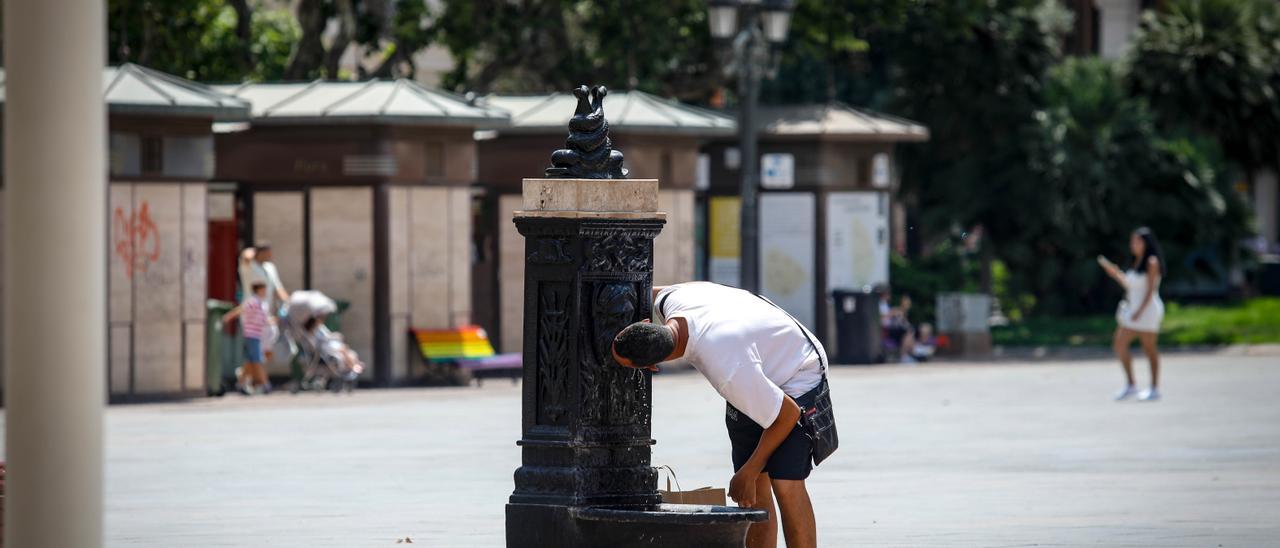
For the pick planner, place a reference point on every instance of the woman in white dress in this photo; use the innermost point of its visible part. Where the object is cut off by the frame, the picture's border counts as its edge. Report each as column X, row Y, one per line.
column 1140, row 313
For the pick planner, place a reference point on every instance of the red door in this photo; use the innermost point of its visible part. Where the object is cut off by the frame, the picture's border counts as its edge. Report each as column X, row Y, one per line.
column 222, row 259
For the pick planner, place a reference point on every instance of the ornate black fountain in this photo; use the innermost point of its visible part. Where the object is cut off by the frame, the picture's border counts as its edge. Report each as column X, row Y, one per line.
column 586, row 478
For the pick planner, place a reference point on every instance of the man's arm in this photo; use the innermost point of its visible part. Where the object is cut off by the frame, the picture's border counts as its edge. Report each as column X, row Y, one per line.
column 274, row 275
column 742, row 488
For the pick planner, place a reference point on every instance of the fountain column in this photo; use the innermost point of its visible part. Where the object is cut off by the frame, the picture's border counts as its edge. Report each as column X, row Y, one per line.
column 589, row 270
column 586, row 477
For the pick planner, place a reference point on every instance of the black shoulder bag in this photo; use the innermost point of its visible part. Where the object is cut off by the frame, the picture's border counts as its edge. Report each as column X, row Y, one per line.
column 816, row 416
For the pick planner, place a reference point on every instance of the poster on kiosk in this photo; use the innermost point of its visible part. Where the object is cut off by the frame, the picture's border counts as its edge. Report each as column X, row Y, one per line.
column 787, row 237
column 857, row 240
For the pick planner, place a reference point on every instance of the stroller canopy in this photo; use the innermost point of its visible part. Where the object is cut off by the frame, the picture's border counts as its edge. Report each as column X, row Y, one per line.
column 308, row 304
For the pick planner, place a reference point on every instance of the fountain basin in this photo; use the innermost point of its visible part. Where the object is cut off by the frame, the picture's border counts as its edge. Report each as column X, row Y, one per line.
column 667, row 525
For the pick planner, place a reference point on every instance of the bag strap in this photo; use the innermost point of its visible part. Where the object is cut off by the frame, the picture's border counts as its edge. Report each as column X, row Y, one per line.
column 816, row 350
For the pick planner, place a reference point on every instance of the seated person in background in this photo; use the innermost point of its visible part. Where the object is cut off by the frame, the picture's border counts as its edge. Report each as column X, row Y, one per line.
column 885, row 307
column 925, row 343
column 899, row 331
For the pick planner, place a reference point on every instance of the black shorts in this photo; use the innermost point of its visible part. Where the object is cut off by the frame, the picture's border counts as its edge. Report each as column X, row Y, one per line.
column 791, row 461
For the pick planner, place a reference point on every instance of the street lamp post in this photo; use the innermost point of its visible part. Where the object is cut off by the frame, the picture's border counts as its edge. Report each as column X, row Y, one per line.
column 754, row 28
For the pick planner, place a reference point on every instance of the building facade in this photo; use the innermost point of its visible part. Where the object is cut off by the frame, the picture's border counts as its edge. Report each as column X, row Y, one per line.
column 161, row 160
column 828, row 218
column 363, row 190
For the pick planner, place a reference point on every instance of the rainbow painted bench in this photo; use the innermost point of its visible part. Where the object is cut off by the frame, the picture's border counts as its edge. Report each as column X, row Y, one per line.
column 467, row 349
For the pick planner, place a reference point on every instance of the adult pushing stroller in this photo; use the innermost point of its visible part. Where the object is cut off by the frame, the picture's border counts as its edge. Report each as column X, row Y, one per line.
column 326, row 362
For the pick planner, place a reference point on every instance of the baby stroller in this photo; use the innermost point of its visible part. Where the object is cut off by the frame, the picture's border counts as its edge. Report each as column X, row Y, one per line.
column 314, row 347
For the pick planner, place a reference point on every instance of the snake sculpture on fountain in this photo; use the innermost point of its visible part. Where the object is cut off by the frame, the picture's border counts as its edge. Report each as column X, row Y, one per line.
column 588, row 152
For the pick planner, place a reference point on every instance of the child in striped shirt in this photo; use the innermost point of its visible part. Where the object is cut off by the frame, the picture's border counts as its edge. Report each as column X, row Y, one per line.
column 252, row 377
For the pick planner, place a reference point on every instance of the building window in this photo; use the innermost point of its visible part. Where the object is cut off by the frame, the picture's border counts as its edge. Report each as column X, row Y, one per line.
column 152, row 155
column 188, row 156
column 433, row 159
column 125, row 154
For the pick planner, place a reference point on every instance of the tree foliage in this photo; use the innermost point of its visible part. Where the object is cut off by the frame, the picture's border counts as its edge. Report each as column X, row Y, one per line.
column 1215, row 65
column 551, row 45
column 835, row 52
column 973, row 72
column 1104, row 169
column 200, row 39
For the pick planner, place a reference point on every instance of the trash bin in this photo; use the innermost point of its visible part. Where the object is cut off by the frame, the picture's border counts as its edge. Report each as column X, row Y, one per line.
column 221, row 347
column 334, row 321
column 1269, row 275
column 857, row 314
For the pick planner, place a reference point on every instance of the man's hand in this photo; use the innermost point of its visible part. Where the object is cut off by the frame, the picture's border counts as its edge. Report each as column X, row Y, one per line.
column 742, row 488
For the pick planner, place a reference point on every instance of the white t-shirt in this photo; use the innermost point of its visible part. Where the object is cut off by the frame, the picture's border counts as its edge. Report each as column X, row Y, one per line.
column 266, row 273
column 751, row 351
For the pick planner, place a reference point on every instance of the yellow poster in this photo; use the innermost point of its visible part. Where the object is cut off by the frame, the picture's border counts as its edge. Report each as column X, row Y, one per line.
column 725, row 239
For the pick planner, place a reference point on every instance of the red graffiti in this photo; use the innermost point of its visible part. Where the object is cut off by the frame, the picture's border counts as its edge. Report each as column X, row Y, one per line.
column 134, row 234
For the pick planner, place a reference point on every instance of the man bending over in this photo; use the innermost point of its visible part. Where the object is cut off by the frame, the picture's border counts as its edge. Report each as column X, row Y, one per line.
column 767, row 366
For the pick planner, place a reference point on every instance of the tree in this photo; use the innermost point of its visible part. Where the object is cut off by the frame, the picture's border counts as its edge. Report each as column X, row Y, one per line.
column 1215, row 65
column 166, row 35
column 200, row 39
column 835, row 52
column 1105, row 169
column 308, row 57
column 973, row 72
column 552, row 45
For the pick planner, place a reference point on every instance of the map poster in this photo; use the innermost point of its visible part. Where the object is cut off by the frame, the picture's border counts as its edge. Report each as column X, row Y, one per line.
column 857, row 239
column 787, row 235
column 725, row 257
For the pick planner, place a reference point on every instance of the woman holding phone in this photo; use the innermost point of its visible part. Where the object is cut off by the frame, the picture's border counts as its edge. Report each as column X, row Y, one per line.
column 1141, row 311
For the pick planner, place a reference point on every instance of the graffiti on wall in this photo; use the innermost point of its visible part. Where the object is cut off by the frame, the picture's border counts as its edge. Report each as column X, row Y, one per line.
column 136, row 238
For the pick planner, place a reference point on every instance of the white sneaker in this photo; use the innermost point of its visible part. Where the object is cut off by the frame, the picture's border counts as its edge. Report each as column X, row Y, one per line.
column 1150, row 394
column 1126, row 393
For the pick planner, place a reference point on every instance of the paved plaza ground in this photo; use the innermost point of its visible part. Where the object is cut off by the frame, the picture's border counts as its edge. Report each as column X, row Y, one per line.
column 1008, row 454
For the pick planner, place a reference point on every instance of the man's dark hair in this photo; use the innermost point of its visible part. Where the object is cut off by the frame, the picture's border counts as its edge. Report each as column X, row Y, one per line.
column 255, row 286
column 644, row 343
column 262, row 245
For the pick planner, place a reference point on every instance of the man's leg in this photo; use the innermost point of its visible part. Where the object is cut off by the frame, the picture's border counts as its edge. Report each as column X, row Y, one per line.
column 798, row 525
column 765, row 533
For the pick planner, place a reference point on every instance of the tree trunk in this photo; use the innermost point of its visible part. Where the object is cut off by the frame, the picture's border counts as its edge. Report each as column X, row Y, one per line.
column 987, row 252
column 831, row 55
column 346, row 33
column 309, row 55
column 387, row 69
column 244, row 32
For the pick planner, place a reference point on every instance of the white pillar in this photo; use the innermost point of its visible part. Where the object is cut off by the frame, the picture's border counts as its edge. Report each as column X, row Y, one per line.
column 55, row 271
column 1117, row 19
column 1266, row 201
